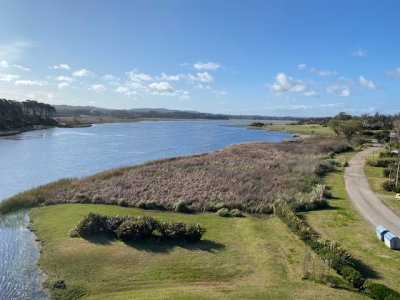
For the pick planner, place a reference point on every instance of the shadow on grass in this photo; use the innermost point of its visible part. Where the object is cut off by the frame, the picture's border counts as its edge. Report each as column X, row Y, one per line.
column 366, row 270
column 157, row 245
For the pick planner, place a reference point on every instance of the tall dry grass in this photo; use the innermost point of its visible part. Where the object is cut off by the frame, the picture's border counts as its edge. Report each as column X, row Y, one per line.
column 253, row 175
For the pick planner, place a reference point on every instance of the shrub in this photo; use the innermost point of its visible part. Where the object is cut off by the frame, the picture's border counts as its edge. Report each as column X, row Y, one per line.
column 97, row 199
column 380, row 291
column 81, row 198
column 236, row 213
column 265, row 209
column 136, row 228
column 151, row 205
column 224, row 212
column 112, row 223
column 381, row 162
column 323, row 168
column 92, row 224
column 182, row 207
column 353, row 276
column 390, row 186
column 178, row 231
column 217, row 206
column 122, row 202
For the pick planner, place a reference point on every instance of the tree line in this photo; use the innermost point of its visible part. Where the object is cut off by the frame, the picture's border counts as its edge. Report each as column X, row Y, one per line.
column 18, row 115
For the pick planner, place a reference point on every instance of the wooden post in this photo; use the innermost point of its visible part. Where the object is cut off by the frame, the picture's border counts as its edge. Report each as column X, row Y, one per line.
column 398, row 168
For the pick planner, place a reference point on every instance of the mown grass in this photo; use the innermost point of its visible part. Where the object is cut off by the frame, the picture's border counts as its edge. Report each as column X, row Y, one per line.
column 376, row 179
column 345, row 225
column 238, row 258
column 302, row 130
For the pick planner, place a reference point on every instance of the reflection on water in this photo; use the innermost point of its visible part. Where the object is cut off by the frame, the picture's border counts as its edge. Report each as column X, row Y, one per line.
column 20, row 279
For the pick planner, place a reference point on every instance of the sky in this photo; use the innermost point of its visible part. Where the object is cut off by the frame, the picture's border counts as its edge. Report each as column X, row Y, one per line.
column 273, row 58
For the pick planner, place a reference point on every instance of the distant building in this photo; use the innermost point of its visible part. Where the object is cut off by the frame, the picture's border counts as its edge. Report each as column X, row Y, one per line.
column 393, row 242
column 380, row 232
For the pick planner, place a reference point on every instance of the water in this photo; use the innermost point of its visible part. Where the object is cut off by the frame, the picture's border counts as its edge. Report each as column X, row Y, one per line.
column 38, row 157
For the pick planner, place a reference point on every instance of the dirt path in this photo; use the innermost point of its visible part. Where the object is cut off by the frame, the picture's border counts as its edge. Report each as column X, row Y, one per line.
column 364, row 199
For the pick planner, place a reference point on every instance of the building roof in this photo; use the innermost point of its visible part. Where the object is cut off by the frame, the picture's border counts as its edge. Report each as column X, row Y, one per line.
column 381, row 229
column 389, row 236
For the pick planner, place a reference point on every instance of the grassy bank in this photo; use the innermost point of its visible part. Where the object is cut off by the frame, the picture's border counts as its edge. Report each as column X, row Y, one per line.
column 239, row 258
column 305, row 130
column 376, row 179
column 345, row 225
column 87, row 120
column 18, row 131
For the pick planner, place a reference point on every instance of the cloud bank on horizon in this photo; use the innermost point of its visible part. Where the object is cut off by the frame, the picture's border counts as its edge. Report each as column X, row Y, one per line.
column 303, row 59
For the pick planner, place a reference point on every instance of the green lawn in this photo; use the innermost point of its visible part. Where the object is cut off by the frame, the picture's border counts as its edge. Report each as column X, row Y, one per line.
column 238, row 258
column 375, row 179
column 302, row 130
column 345, row 225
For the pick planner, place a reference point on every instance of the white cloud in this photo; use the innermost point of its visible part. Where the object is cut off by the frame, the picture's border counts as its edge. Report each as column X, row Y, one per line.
column 341, row 90
column 316, row 71
column 201, row 77
column 126, row 90
column 394, row 73
column 63, row 85
column 139, row 77
column 82, row 73
column 31, row 82
column 302, row 66
column 22, row 68
column 162, row 86
column 311, row 94
column 61, row 67
column 15, row 50
column 98, row 88
column 303, row 106
column 364, row 82
column 8, row 77
column 219, row 93
column 286, row 84
column 359, row 53
column 210, row 66
column 110, row 77
column 171, row 77
column 65, row 78
column 4, row 64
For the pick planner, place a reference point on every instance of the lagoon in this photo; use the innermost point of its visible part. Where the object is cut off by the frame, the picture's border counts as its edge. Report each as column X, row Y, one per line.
column 39, row 157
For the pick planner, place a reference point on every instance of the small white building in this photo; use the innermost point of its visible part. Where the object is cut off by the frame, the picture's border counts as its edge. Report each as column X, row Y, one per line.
column 380, row 232
column 393, row 242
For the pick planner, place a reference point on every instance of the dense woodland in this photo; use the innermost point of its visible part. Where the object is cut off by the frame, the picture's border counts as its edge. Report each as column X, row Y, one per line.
column 16, row 115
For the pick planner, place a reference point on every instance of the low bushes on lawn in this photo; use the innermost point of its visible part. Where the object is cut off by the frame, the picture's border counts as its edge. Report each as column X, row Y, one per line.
column 390, row 186
column 138, row 228
column 151, row 205
column 380, row 291
column 381, row 162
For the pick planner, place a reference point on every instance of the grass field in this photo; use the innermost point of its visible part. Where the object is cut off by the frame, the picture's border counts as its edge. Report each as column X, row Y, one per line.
column 302, row 130
column 345, row 225
column 238, row 258
column 375, row 179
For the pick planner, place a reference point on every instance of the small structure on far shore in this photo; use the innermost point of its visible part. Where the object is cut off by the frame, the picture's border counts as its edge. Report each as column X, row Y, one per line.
column 380, row 232
column 393, row 242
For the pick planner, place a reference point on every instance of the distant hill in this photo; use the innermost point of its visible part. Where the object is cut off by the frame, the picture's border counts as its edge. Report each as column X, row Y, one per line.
column 74, row 111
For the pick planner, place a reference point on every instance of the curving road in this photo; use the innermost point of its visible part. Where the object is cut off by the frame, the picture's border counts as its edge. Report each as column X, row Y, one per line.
column 364, row 199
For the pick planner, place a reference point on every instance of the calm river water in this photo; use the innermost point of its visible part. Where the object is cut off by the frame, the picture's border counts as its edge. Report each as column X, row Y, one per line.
column 38, row 157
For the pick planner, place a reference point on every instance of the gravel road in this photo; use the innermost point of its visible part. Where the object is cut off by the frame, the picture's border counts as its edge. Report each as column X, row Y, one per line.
column 364, row 199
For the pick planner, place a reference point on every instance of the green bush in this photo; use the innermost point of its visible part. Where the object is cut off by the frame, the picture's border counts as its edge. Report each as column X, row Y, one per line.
column 390, row 186
column 81, row 198
column 224, row 212
column 381, row 162
column 218, row 205
column 151, row 205
column 380, row 291
column 112, row 223
column 92, row 224
column 353, row 276
column 323, row 168
column 236, row 213
column 178, row 231
column 122, row 202
column 182, row 207
column 136, row 228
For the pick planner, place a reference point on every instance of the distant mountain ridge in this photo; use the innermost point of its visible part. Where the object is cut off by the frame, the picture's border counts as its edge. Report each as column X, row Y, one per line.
column 74, row 111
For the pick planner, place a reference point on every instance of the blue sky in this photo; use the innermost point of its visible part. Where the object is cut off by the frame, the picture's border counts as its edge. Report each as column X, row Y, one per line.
column 298, row 58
